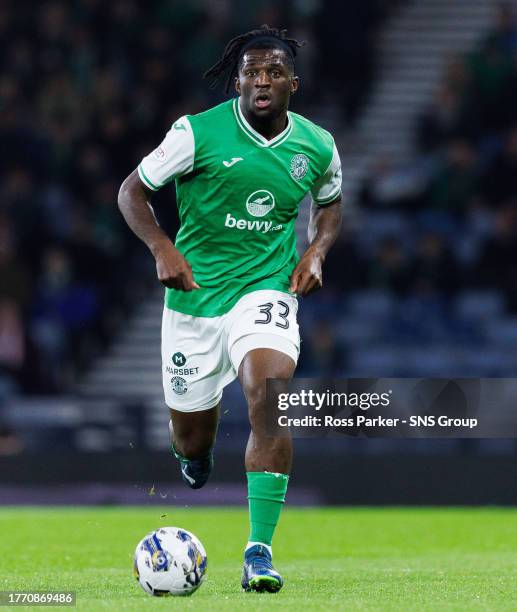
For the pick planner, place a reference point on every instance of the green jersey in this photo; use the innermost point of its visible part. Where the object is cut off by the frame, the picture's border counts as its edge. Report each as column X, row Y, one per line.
column 238, row 196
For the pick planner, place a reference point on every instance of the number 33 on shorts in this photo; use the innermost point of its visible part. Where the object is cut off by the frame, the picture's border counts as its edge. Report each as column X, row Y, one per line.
column 282, row 312
column 264, row 319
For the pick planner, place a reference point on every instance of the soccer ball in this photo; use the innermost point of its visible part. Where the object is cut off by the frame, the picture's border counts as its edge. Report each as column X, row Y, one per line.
column 170, row 561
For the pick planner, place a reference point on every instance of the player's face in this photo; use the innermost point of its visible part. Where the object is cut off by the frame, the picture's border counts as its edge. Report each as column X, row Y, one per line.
column 265, row 82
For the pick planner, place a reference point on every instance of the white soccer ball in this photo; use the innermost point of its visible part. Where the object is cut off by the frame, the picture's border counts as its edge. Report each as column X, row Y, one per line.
column 170, row 561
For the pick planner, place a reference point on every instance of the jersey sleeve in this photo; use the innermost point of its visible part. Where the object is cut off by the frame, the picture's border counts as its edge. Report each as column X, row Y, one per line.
column 328, row 187
column 173, row 158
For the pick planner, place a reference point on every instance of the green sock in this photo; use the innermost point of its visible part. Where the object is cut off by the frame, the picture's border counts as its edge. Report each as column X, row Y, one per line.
column 266, row 494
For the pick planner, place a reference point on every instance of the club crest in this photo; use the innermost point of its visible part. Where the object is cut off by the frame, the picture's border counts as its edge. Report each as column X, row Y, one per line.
column 299, row 166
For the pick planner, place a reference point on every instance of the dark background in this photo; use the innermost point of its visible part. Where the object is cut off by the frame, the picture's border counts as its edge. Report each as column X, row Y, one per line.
column 421, row 282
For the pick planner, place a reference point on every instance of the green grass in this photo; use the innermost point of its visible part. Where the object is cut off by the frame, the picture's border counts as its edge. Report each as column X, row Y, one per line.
column 331, row 559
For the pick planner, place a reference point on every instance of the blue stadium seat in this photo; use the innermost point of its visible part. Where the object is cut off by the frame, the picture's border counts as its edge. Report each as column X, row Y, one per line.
column 376, row 361
column 357, row 330
column 488, row 362
column 502, row 331
column 432, row 361
column 371, row 304
column 486, row 304
column 379, row 225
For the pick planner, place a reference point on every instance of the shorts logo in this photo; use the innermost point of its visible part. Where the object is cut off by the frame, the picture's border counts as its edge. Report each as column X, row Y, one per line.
column 179, row 385
column 159, row 153
column 299, row 166
column 260, row 202
column 179, row 359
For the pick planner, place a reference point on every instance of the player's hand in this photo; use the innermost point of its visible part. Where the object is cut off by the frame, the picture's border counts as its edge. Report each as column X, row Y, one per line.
column 307, row 276
column 173, row 269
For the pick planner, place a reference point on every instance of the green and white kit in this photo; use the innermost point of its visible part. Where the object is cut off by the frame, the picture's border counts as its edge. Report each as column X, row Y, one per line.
column 238, row 196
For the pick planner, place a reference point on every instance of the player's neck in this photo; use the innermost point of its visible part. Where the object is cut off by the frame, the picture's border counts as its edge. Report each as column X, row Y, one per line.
column 269, row 128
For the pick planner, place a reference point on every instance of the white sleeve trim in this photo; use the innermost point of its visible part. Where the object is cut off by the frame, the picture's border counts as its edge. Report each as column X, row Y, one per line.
column 174, row 157
column 328, row 187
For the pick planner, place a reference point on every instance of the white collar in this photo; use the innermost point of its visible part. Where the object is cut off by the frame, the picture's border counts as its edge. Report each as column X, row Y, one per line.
column 256, row 136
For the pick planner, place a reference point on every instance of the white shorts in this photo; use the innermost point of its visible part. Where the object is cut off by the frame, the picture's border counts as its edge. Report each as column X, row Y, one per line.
column 201, row 355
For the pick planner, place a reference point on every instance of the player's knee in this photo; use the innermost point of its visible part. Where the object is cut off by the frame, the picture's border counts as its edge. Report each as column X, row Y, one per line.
column 256, row 396
column 257, row 405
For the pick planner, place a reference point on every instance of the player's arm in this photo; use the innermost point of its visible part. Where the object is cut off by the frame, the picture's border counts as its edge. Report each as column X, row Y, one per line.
column 172, row 268
column 324, row 227
column 173, row 158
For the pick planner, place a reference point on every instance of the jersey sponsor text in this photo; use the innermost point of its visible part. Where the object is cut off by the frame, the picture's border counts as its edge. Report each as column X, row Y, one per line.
column 182, row 371
column 257, row 226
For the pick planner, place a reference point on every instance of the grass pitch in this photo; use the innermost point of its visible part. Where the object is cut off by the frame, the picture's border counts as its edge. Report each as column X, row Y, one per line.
column 331, row 559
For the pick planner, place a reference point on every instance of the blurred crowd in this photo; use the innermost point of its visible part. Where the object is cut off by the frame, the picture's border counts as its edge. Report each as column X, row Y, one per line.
column 86, row 89
column 437, row 241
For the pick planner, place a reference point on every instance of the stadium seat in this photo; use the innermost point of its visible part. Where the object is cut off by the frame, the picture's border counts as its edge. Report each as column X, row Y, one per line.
column 370, row 304
column 502, row 331
column 486, row 304
column 357, row 330
column 488, row 362
column 383, row 225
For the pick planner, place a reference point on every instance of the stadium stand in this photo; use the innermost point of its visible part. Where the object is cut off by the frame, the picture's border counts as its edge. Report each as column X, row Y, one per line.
column 430, row 238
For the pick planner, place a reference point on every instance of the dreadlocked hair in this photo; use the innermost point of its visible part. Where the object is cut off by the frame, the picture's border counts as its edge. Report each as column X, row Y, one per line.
column 226, row 68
